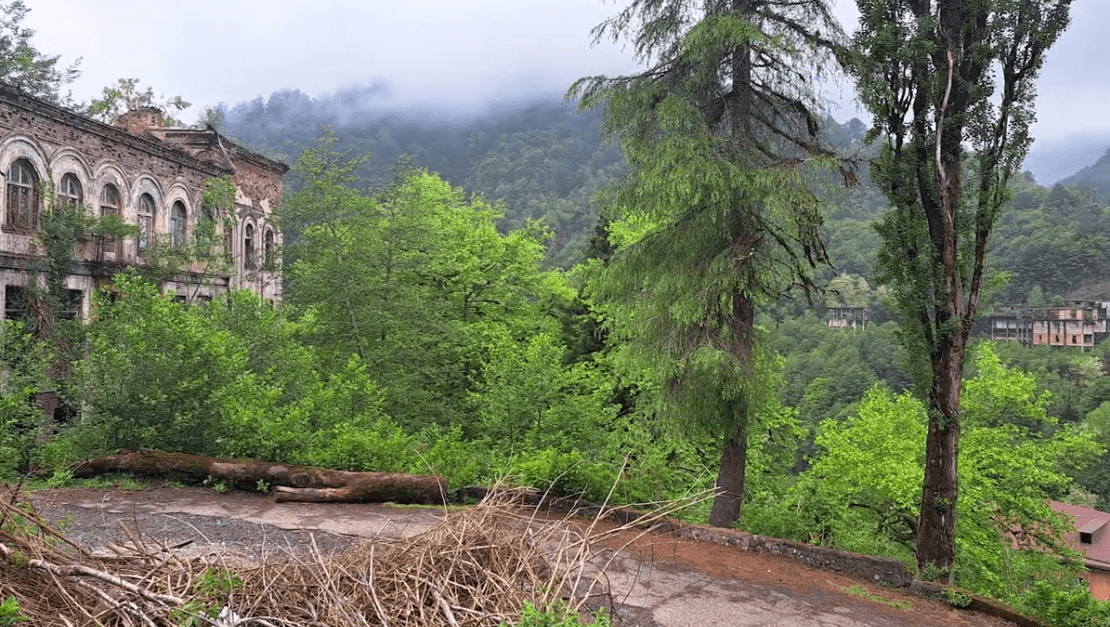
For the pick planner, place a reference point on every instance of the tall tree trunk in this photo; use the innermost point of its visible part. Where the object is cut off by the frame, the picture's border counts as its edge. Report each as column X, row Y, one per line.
column 936, row 529
column 734, row 455
column 936, row 540
column 730, row 476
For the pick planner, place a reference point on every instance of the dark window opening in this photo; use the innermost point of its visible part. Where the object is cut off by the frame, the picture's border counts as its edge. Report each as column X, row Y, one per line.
column 23, row 197
column 269, row 254
column 109, row 206
column 177, row 225
column 249, row 257
column 15, row 303
column 71, row 307
column 64, row 414
column 146, row 221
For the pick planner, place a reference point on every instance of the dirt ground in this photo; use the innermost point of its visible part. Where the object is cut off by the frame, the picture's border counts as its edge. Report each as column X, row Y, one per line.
column 653, row 570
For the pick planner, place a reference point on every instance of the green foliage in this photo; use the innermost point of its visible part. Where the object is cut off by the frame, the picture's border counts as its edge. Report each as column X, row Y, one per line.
column 418, row 284
column 125, row 95
column 715, row 213
column 564, row 473
column 951, row 86
column 218, row 485
column 22, row 66
column 955, row 597
column 233, row 378
column 24, row 361
column 557, row 616
column 210, row 592
column 9, row 612
column 1050, row 239
column 863, row 488
column 863, row 593
column 154, row 372
column 1067, row 606
column 529, row 399
column 827, row 371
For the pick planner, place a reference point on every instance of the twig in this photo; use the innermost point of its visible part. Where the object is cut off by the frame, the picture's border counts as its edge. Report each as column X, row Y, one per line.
column 73, row 570
column 443, row 606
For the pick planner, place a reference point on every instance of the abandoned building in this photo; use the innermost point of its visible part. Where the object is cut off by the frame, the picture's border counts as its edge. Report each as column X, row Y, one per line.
column 152, row 176
column 846, row 317
column 1078, row 324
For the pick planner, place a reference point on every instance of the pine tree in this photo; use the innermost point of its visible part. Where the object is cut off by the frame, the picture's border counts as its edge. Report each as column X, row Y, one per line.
column 951, row 86
column 715, row 215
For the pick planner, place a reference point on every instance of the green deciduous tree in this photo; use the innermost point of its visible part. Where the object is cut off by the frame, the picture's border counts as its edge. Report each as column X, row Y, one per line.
column 716, row 213
column 950, row 84
column 125, row 95
column 23, row 66
column 417, row 282
column 153, row 373
column 861, row 492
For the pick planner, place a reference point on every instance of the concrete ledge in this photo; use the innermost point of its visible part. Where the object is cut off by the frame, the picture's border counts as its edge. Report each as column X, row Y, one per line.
column 876, row 569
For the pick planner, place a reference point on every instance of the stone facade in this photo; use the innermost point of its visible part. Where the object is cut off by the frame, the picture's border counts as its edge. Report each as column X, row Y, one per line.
column 152, row 176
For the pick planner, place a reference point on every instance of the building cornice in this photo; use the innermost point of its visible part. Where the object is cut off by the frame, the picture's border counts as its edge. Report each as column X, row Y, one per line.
column 19, row 100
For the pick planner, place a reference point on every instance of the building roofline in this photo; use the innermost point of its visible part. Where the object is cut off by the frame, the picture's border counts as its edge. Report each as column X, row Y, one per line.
column 227, row 145
column 30, row 104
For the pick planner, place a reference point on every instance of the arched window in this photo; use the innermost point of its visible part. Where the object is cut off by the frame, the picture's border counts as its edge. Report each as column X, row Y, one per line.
column 269, row 254
column 177, row 224
column 23, row 197
column 69, row 192
column 109, row 201
column 146, row 221
column 109, row 206
column 250, row 259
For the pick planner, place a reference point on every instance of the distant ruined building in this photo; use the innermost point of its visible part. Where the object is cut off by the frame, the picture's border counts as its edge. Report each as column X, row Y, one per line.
column 1078, row 324
column 846, row 317
column 154, row 178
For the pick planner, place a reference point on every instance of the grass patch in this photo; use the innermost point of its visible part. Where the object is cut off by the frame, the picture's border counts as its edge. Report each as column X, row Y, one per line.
column 861, row 592
column 117, row 481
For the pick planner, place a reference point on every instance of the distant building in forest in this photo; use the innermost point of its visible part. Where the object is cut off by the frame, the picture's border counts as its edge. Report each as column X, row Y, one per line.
column 844, row 317
column 1079, row 324
column 152, row 176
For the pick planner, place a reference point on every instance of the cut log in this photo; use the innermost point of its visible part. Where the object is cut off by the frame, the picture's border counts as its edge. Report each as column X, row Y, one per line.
column 290, row 482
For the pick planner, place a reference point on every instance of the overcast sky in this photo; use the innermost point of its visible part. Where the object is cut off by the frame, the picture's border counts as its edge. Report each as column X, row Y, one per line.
column 458, row 54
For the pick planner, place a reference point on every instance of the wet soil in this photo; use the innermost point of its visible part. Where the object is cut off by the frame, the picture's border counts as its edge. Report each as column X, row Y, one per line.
column 657, row 579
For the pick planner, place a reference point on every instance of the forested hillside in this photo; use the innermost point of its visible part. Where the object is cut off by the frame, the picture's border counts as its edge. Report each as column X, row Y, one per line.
column 536, row 161
column 544, row 161
column 1095, row 177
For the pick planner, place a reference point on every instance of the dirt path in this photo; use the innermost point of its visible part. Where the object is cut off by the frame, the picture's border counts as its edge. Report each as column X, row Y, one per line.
column 658, row 580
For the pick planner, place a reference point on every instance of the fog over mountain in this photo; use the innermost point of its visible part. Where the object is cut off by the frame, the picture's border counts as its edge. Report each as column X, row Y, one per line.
column 440, row 57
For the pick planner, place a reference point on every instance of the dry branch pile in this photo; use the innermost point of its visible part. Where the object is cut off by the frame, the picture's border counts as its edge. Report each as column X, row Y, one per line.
column 474, row 568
